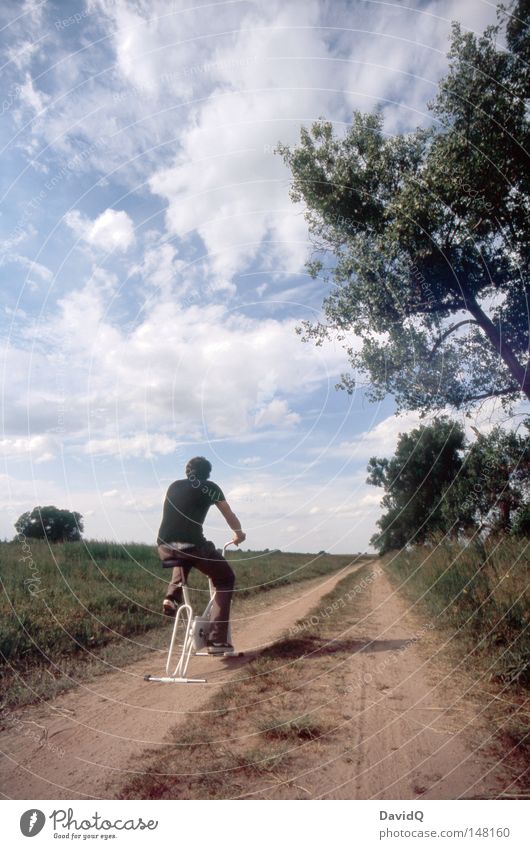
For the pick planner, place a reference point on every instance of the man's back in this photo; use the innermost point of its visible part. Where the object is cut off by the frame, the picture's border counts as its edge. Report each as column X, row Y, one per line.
column 185, row 507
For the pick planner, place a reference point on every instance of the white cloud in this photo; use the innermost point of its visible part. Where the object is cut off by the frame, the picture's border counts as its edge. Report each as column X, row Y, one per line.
column 113, row 230
column 280, row 70
column 32, row 267
column 160, row 269
column 226, row 183
column 194, row 98
column 31, row 97
column 177, row 374
column 276, row 509
column 277, row 414
column 141, row 445
column 18, row 495
column 300, row 513
column 27, row 21
column 381, row 440
column 166, row 49
column 39, row 448
column 45, row 458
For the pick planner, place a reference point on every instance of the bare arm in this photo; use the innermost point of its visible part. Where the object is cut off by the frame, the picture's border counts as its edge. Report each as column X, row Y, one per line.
column 231, row 520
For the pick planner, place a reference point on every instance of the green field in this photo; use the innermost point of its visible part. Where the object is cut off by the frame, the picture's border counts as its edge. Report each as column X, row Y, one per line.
column 70, row 610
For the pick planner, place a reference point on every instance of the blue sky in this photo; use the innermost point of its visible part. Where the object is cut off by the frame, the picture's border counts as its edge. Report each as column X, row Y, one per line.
column 152, row 262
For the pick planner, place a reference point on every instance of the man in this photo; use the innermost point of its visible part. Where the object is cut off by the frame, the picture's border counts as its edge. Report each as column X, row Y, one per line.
column 181, row 539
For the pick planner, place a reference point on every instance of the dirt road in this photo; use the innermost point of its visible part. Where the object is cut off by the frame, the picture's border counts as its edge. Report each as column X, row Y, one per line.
column 78, row 745
column 409, row 730
column 406, row 722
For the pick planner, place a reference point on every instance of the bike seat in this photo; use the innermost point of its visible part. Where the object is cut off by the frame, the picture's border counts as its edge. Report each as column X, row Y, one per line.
column 183, row 565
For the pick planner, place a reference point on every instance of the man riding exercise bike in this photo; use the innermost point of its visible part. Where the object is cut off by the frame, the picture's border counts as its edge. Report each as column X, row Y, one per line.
column 181, row 539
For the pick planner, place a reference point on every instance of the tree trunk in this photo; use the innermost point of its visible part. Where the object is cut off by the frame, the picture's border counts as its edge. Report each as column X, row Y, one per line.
column 504, row 515
column 518, row 372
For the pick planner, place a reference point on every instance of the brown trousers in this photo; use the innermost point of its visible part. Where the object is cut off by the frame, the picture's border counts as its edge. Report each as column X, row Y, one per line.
column 210, row 562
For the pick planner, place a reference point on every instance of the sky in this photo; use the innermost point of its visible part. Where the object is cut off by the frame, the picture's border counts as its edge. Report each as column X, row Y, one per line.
column 153, row 264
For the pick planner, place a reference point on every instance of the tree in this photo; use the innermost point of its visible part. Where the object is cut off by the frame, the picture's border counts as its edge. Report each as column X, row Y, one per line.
column 426, row 462
column 437, row 481
column 51, row 523
column 492, row 493
column 427, row 233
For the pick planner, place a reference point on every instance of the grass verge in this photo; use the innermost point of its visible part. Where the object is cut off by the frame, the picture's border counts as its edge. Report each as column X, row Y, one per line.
column 479, row 595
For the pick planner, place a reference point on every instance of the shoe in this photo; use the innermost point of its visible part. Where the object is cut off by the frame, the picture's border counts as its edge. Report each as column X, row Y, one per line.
column 169, row 608
column 219, row 648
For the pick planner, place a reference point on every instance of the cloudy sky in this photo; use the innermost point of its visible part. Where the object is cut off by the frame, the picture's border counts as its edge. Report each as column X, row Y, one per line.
column 153, row 264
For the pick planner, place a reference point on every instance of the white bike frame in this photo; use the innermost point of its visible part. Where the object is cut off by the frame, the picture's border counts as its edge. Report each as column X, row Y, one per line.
column 194, row 641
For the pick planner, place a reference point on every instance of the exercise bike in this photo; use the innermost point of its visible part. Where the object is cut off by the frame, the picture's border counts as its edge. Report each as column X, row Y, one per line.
column 196, row 629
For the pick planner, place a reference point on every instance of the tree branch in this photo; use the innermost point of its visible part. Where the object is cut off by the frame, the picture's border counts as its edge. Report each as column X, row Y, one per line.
column 508, row 390
column 427, row 308
column 520, row 373
column 448, row 333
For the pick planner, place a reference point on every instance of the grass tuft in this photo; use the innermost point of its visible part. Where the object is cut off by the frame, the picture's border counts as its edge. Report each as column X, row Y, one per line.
column 301, row 728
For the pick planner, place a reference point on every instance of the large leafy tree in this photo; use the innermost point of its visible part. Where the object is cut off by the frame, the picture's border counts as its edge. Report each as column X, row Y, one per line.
column 436, row 481
column 51, row 523
column 492, row 492
column 424, row 235
column 428, row 459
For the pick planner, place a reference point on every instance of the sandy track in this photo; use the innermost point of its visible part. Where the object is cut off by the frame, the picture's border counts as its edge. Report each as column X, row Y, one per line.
column 80, row 744
column 405, row 725
column 418, row 735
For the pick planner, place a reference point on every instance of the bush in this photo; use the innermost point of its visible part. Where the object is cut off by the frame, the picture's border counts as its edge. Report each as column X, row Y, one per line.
column 50, row 523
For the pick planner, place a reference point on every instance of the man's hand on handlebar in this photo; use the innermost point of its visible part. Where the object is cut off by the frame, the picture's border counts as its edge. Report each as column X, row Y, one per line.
column 232, row 521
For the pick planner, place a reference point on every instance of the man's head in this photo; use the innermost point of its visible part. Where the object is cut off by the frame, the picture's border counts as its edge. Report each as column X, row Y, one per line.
column 198, row 467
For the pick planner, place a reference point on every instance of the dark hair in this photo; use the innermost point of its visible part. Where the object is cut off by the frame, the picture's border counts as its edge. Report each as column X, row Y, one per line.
column 198, row 467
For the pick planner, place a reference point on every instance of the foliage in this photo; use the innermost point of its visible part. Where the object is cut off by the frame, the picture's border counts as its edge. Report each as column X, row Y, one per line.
column 521, row 523
column 51, row 523
column 437, row 481
column 426, row 462
column 493, row 491
column 427, row 234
